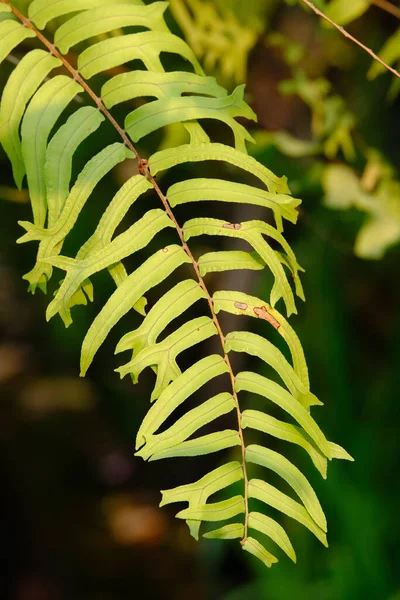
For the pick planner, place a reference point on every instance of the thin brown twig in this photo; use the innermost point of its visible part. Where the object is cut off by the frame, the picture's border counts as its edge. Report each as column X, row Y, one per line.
column 350, row 37
column 388, row 7
column 144, row 170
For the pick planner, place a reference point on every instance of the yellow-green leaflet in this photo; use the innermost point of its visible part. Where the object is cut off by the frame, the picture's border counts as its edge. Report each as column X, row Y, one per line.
column 164, row 353
column 21, row 85
column 154, row 270
column 128, row 86
column 187, row 425
column 218, row 511
column 273, row 530
column 285, row 469
column 260, row 421
column 52, row 98
column 197, row 493
column 205, row 444
column 12, row 33
column 272, row 497
column 226, row 260
column 211, row 483
column 233, row 531
column 165, row 159
column 257, row 384
column 170, row 306
column 125, row 244
column 254, row 547
column 255, row 345
column 42, row 11
column 51, row 240
column 165, row 111
column 145, row 46
column 59, row 156
column 114, row 213
column 106, row 18
column 194, row 190
column 178, row 391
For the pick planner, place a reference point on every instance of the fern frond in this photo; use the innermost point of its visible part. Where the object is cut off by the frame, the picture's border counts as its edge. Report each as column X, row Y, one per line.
column 41, row 142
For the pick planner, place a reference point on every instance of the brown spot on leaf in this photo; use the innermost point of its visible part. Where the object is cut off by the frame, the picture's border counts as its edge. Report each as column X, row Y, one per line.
column 165, row 249
column 241, row 305
column 262, row 313
column 232, row 225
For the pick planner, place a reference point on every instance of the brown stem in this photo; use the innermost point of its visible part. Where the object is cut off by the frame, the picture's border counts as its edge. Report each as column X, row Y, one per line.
column 388, row 7
column 144, row 170
column 350, row 37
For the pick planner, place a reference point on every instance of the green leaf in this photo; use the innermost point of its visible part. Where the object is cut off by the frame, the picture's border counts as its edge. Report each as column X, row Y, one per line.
column 254, row 547
column 20, row 87
column 114, row 214
column 187, row 425
column 272, row 497
column 232, row 531
column 205, row 444
column 178, row 391
column 42, row 11
column 255, row 345
column 154, row 270
column 291, row 474
column 238, row 303
column 226, row 260
column 133, row 239
column 119, row 274
column 339, row 452
column 52, row 239
column 218, row 511
column 164, row 353
column 344, row 12
column 212, row 482
column 12, row 33
column 196, row 494
column 59, row 155
column 165, row 159
column 343, row 190
column 286, row 143
column 50, row 100
column 167, row 308
column 285, row 431
column 128, row 86
column 159, row 113
column 273, row 530
column 193, row 190
column 145, row 46
column 257, row 384
column 390, row 54
column 378, row 234
column 107, row 18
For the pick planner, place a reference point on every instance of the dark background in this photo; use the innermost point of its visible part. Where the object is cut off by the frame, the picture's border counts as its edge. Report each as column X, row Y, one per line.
column 78, row 512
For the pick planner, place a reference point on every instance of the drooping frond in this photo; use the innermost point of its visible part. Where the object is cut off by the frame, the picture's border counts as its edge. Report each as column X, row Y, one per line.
column 41, row 143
